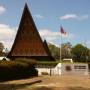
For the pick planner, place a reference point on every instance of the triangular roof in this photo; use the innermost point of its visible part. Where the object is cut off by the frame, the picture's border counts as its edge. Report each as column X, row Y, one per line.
column 28, row 42
column 46, row 47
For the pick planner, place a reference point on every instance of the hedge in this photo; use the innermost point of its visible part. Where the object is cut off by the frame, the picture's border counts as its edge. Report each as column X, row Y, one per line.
column 16, row 70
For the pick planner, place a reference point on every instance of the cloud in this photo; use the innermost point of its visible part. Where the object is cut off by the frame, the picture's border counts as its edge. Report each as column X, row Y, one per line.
column 39, row 16
column 84, row 17
column 51, row 35
column 54, row 37
column 48, row 34
column 7, row 35
column 74, row 16
column 68, row 16
column 53, row 43
column 86, row 44
column 2, row 9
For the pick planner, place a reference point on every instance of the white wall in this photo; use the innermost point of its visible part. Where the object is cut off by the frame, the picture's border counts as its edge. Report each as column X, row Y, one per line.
column 60, row 69
column 40, row 70
column 1, row 58
column 74, row 71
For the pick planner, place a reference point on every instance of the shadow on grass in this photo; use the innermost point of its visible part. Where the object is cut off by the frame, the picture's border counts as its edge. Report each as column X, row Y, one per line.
column 16, row 78
column 16, row 86
column 24, row 87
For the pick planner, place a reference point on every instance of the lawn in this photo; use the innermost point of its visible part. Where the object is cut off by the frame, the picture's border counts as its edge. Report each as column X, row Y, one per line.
column 52, row 83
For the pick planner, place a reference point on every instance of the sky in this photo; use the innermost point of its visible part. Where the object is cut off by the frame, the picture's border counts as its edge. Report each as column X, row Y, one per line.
column 49, row 16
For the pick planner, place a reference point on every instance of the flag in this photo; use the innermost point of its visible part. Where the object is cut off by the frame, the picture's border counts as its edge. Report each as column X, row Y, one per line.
column 62, row 31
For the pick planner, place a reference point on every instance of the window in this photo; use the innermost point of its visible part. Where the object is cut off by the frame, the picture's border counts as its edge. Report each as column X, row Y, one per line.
column 68, row 68
column 79, row 67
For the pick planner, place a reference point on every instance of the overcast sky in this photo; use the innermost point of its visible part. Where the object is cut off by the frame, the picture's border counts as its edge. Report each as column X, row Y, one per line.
column 49, row 15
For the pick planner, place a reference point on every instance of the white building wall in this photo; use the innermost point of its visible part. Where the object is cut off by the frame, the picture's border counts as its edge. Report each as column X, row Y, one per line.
column 41, row 70
column 57, row 70
column 80, row 70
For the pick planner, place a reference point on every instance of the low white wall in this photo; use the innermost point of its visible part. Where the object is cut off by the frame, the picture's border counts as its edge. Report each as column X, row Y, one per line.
column 1, row 58
column 57, row 70
column 66, row 69
column 41, row 70
column 76, row 68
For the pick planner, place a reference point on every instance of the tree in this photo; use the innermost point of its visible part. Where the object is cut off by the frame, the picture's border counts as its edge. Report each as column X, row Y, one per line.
column 88, row 58
column 55, row 51
column 6, row 51
column 1, row 48
column 66, row 50
column 3, row 51
column 80, row 53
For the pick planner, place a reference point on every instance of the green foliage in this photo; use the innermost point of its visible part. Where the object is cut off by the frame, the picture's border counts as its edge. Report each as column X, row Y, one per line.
column 48, row 62
column 66, row 50
column 1, row 48
column 30, row 62
column 54, row 50
column 80, row 53
column 15, row 70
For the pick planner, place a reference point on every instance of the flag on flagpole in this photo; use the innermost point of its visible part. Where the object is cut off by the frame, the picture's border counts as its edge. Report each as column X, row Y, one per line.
column 63, row 31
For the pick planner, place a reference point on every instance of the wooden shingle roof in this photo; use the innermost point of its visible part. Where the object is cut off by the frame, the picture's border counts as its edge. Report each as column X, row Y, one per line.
column 28, row 42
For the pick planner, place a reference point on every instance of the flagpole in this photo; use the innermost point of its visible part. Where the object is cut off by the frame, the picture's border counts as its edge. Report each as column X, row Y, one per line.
column 62, row 33
column 60, row 47
column 61, row 44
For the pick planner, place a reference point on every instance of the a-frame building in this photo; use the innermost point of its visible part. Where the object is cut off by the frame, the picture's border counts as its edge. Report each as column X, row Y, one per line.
column 28, row 43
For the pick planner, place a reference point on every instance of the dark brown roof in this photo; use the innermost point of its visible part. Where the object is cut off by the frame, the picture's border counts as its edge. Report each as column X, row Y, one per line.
column 28, row 41
column 46, row 48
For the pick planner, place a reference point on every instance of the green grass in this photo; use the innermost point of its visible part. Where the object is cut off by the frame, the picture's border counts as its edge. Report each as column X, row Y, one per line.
column 56, row 62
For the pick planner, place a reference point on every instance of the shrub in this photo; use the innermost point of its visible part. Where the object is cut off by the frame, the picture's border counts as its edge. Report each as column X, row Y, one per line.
column 16, row 70
column 28, row 61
